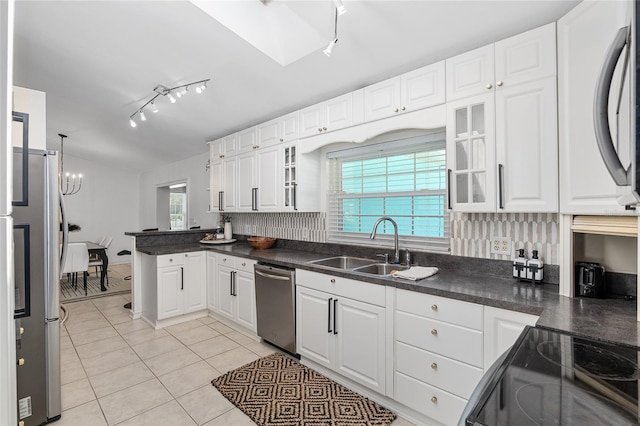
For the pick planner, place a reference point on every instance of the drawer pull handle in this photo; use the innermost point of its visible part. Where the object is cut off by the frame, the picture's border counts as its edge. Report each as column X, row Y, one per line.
column 434, row 332
column 333, row 280
column 170, row 260
column 434, row 399
column 434, row 307
column 434, row 365
column 244, row 264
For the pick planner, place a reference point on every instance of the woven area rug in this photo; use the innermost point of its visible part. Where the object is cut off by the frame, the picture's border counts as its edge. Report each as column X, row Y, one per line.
column 117, row 284
column 277, row 390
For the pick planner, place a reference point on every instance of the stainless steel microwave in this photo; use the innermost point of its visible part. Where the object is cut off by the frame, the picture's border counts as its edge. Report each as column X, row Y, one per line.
column 623, row 52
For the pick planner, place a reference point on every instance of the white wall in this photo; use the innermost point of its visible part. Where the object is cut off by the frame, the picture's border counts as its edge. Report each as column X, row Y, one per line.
column 107, row 205
column 34, row 103
column 191, row 169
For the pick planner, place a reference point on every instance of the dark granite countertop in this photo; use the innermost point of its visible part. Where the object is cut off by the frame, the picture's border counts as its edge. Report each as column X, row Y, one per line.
column 612, row 320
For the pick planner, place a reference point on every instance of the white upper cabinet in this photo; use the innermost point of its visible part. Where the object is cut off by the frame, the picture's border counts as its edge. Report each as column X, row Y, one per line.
column 228, row 145
column 470, row 73
column 502, row 131
column 585, row 35
column 258, row 180
column 222, row 177
column 247, row 140
column 326, row 116
column 412, row 91
column 282, row 129
column 519, row 59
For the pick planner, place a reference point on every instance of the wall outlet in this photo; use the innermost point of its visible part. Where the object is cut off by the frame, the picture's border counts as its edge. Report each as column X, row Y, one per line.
column 500, row 245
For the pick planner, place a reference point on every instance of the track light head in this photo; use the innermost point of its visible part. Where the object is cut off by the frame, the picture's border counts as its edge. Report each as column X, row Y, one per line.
column 154, row 108
column 330, row 47
column 171, row 98
column 142, row 116
column 132, row 123
column 201, row 88
column 340, row 6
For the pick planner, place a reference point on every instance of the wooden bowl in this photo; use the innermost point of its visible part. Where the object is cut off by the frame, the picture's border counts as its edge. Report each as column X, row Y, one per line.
column 261, row 242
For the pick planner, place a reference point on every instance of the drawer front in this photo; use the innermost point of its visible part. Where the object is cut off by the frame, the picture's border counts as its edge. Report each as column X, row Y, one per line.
column 439, row 308
column 445, row 373
column 171, row 259
column 357, row 290
column 428, row 400
column 226, row 260
column 448, row 340
column 242, row 264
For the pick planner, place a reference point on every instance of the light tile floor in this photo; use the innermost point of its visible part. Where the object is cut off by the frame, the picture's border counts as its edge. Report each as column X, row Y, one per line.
column 119, row 371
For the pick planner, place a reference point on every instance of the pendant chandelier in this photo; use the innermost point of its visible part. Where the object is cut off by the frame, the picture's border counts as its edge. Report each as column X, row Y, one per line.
column 69, row 184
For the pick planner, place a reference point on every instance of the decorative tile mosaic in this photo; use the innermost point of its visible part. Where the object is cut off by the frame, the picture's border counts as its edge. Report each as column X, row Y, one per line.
column 471, row 234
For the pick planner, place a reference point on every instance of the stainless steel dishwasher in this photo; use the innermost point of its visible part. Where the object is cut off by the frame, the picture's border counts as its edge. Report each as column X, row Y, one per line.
column 276, row 305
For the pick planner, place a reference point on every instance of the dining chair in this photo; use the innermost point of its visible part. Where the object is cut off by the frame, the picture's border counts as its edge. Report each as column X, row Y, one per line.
column 77, row 260
column 99, row 241
column 98, row 262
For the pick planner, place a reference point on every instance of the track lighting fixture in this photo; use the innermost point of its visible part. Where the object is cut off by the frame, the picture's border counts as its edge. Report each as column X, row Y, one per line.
column 333, row 42
column 340, row 7
column 179, row 91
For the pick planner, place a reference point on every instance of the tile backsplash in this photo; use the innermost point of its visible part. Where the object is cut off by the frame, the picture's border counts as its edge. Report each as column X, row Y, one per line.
column 470, row 232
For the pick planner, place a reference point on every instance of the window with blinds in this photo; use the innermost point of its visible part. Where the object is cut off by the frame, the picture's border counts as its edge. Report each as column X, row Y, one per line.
column 403, row 179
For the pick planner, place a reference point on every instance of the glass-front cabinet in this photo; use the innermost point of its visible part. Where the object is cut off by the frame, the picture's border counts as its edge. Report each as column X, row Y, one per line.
column 471, row 174
column 290, row 182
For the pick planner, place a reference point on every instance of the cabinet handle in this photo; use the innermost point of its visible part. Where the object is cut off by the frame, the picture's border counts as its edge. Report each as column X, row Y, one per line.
column 434, row 307
column 324, row 129
column 434, row 365
column 335, row 314
column 234, row 293
column 499, row 83
column 181, row 278
column 254, row 199
column 449, row 173
column 221, row 155
column 319, row 129
column 333, row 280
column 329, row 315
column 295, row 196
column 403, row 108
column 170, row 259
column 395, row 110
column 489, row 86
column 21, row 361
column 500, row 185
column 434, row 332
column 434, row 399
column 281, row 140
column 220, row 201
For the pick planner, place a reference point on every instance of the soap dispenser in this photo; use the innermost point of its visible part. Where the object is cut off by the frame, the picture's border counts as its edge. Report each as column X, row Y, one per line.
column 535, row 271
column 520, row 265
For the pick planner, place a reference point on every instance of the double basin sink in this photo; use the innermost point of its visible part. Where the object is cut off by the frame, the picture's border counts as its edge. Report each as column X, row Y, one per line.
column 357, row 264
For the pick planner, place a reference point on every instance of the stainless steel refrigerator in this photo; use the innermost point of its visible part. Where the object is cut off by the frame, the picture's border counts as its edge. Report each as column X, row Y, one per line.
column 36, row 230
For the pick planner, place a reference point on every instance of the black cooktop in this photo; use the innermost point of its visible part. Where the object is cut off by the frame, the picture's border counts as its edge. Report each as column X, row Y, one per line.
column 552, row 378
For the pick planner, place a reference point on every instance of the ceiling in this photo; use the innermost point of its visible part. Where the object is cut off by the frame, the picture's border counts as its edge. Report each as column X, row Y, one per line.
column 98, row 62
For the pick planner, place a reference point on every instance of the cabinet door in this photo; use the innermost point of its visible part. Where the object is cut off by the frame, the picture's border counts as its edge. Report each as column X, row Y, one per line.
column 195, row 285
column 245, row 299
column 338, row 113
column 501, row 329
column 226, row 301
column 247, row 140
column 245, row 179
column 170, row 281
column 527, row 146
column 289, row 127
column 470, row 73
column 269, row 179
column 212, row 282
column 471, row 154
column 360, row 346
column 312, row 120
column 382, row 99
column 423, row 87
column 268, row 133
column 584, row 36
column 314, row 330
column 229, row 195
column 229, row 145
column 215, row 185
column 525, row 57
column 289, row 169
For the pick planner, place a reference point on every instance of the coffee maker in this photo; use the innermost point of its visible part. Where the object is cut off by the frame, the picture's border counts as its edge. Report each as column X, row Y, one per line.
column 590, row 280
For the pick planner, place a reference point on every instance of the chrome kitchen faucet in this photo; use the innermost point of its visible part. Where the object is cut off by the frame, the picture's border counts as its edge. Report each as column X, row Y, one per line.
column 396, row 255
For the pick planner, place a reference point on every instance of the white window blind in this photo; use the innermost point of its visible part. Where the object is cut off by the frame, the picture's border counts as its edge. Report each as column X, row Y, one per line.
column 404, row 179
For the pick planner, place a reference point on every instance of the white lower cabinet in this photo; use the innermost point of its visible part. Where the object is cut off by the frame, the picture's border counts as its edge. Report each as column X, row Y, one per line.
column 235, row 290
column 438, row 348
column 501, row 329
column 181, row 284
column 341, row 333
